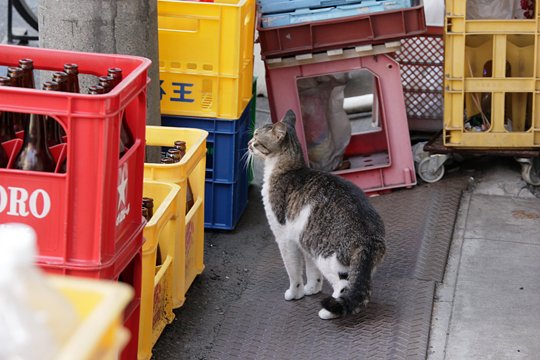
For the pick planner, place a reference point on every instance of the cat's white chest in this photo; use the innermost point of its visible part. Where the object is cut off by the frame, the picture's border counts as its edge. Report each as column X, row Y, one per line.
column 293, row 228
column 269, row 165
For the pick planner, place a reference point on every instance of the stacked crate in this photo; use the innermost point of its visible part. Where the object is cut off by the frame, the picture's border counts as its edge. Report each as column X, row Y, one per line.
column 178, row 234
column 88, row 218
column 206, row 74
column 491, row 72
column 315, row 38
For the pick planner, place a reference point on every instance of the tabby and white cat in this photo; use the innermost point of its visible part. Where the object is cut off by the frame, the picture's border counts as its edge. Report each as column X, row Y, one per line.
column 320, row 221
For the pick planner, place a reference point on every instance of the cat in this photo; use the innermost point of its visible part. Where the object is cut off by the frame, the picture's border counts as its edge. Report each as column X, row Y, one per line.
column 320, row 221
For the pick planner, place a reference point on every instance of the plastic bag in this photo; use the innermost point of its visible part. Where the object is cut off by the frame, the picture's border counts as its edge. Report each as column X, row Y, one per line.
column 35, row 320
column 495, row 9
column 326, row 125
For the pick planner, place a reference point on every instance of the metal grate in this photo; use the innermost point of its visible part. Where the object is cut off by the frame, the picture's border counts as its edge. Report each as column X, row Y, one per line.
column 421, row 60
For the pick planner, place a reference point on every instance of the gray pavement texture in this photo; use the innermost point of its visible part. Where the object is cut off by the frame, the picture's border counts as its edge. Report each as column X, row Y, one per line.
column 487, row 305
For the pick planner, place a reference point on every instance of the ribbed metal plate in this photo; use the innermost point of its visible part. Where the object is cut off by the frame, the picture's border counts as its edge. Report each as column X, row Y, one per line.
column 230, row 315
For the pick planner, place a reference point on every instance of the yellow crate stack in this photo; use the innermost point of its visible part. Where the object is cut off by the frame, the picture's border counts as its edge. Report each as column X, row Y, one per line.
column 206, row 57
column 101, row 305
column 491, row 72
column 162, row 232
column 192, row 166
column 179, row 236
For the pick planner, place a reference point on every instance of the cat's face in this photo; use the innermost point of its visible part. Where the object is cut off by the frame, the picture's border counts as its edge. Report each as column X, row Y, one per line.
column 266, row 141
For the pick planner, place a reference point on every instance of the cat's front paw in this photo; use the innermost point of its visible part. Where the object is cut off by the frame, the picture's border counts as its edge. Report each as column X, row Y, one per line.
column 313, row 288
column 294, row 293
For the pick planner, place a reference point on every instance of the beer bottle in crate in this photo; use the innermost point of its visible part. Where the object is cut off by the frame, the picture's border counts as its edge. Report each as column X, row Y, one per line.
column 62, row 78
column 7, row 132
column 6, row 127
column 28, row 73
column 73, row 77
column 174, row 154
column 34, row 154
column 177, row 153
column 16, row 74
column 125, row 134
column 53, row 135
column 148, row 203
column 96, row 90
column 126, row 141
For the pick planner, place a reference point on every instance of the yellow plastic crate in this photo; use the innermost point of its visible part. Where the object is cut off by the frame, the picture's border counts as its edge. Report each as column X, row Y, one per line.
column 491, row 68
column 157, row 281
column 206, row 57
column 189, row 251
column 101, row 304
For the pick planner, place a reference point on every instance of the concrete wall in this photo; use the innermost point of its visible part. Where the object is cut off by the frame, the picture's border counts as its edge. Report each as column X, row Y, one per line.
column 105, row 26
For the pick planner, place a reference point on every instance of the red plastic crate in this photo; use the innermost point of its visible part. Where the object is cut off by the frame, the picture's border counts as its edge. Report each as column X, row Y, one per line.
column 318, row 36
column 88, row 215
column 379, row 160
column 421, row 61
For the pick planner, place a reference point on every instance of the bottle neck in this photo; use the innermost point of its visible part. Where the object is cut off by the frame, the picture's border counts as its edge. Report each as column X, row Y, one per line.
column 6, row 127
column 35, row 132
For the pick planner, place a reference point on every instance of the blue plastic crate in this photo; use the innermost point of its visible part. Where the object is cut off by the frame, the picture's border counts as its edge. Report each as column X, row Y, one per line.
column 226, row 143
column 225, row 203
column 281, row 6
column 305, row 15
column 226, row 183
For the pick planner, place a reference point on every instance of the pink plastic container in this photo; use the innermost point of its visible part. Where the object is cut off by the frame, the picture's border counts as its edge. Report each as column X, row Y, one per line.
column 380, row 160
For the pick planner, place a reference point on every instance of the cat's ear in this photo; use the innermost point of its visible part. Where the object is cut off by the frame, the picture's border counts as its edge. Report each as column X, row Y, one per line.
column 289, row 119
column 279, row 130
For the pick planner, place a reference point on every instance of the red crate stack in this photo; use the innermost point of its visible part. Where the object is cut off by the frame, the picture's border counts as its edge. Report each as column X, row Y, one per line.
column 87, row 215
column 377, row 158
column 88, row 219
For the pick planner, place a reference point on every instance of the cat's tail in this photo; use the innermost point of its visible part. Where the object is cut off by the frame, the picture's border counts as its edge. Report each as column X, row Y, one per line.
column 357, row 295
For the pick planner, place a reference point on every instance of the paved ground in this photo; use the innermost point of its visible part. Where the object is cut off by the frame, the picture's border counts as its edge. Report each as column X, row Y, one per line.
column 486, row 306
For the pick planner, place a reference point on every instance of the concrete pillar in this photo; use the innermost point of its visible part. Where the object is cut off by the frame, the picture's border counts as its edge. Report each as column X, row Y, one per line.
column 126, row 27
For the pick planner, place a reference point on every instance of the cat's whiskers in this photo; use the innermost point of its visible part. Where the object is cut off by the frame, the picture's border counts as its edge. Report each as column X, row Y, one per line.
column 246, row 159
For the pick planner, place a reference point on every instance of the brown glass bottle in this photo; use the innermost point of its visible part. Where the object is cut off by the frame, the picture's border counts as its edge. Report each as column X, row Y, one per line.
column 73, row 77
column 180, row 146
column 34, row 154
column 28, row 73
column 125, row 134
column 6, row 127
column 16, row 74
column 167, row 160
column 6, row 118
column 148, row 203
column 53, row 135
column 145, row 213
column 174, row 154
column 125, row 143
column 62, row 78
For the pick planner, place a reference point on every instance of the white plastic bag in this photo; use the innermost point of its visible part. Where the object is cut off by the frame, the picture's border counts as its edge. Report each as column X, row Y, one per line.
column 492, row 9
column 326, row 125
column 35, row 320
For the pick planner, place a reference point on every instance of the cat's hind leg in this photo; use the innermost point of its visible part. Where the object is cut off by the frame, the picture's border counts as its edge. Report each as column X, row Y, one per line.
column 314, row 277
column 294, row 264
